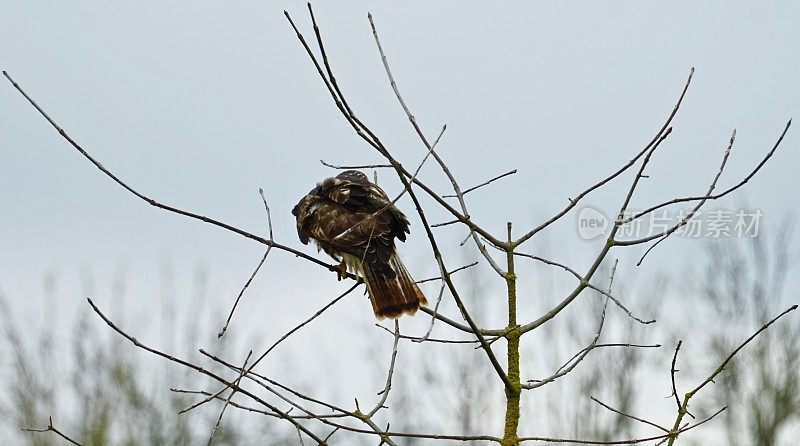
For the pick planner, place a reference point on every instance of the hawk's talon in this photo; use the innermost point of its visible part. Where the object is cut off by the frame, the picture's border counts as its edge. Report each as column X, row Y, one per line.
column 341, row 271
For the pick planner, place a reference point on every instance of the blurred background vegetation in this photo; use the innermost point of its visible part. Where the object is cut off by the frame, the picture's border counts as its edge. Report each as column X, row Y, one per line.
column 101, row 390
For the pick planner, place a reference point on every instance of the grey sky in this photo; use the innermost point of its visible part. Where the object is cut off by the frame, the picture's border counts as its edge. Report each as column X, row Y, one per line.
column 201, row 103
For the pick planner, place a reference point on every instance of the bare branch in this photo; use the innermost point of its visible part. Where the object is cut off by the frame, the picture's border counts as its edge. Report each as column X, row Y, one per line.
column 672, row 372
column 252, row 276
column 363, row 166
column 248, row 408
column 728, row 359
column 292, row 331
column 460, row 268
column 627, row 415
column 374, row 429
column 726, row 191
column 228, row 401
column 581, row 356
column 616, row 301
column 574, row 201
column 691, row 213
column 51, row 428
column 684, row 407
column 435, row 313
column 157, row 204
column 434, row 340
column 625, row 441
column 510, row 172
column 325, row 419
column 605, row 345
column 232, row 385
column 241, row 293
column 709, row 196
column 267, row 382
column 447, row 223
column 430, row 147
column 604, row 250
column 275, row 344
column 385, row 392
column 636, row 179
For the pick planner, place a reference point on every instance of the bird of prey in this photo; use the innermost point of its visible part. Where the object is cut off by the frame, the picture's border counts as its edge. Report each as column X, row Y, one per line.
column 354, row 221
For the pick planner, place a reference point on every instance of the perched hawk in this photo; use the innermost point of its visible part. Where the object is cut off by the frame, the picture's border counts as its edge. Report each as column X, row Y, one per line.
column 354, row 221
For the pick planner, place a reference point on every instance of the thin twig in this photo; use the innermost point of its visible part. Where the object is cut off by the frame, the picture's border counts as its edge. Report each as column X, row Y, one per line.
column 435, row 313
column 460, row 268
column 385, row 392
column 728, row 359
column 327, row 420
column 51, row 428
column 642, row 420
column 651, row 148
column 304, row 323
column 702, row 200
column 253, row 409
column 429, row 146
column 203, row 371
column 672, row 372
column 581, row 356
column 684, row 407
column 157, row 204
column 574, row 201
column 241, row 293
column 738, row 185
column 283, row 338
column 434, row 340
column 663, row 236
column 228, row 401
column 624, row 441
column 605, row 345
column 510, row 172
column 616, row 301
column 447, row 223
column 363, row 166
column 252, row 276
column 462, row 327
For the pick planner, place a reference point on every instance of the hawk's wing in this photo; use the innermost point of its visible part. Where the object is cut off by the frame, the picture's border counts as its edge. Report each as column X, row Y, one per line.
column 367, row 198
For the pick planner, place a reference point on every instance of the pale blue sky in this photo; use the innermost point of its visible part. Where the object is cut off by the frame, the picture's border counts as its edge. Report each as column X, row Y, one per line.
column 201, row 103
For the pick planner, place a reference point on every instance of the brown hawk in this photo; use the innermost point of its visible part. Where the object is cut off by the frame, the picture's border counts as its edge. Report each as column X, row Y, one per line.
column 354, row 221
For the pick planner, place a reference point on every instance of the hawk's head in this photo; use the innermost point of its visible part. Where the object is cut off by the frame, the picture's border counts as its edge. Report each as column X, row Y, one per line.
column 353, row 175
column 336, row 188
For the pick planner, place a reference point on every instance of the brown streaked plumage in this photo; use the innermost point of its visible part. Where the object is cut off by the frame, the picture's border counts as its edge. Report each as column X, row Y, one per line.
column 354, row 221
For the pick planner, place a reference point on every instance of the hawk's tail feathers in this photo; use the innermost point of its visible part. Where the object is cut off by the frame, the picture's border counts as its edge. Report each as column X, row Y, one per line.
column 392, row 297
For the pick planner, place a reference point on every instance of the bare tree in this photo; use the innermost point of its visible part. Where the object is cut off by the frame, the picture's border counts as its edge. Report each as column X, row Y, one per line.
column 319, row 421
column 742, row 284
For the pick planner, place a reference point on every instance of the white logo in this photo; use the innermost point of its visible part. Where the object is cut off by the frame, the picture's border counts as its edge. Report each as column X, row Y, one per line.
column 591, row 223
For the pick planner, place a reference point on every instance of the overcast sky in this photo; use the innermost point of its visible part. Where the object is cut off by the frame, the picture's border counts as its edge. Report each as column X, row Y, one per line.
column 199, row 104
